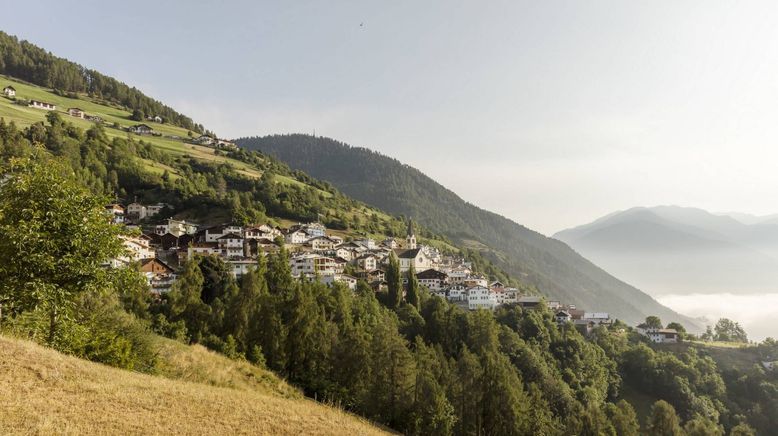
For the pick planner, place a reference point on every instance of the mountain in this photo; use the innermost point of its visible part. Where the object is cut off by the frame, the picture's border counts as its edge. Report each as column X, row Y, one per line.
column 670, row 249
column 200, row 393
column 378, row 180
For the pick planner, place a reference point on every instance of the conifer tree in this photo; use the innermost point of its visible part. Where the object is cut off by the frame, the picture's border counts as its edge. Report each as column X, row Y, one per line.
column 394, row 282
column 412, row 294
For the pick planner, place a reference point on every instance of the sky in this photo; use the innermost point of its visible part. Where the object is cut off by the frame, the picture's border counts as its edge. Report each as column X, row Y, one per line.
column 551, row 113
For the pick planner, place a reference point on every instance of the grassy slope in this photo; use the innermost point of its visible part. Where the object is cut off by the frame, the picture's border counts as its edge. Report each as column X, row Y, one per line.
column 45, row 392
column 24, row 116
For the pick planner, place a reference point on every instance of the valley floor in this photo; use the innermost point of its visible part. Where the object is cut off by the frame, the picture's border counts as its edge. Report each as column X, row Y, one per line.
column 45, row 392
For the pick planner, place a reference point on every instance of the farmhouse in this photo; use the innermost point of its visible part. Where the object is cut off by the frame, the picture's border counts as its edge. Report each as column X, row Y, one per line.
column 76, row 112
column 9, row 91
column 141, row 129
column 42, row 105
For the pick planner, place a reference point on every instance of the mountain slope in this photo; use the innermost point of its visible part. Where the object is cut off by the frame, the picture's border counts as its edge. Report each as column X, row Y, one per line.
column 388, row 184
column 93, row 398
column 670, row 249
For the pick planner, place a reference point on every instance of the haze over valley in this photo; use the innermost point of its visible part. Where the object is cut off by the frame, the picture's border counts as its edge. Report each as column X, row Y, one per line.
column 694, row 261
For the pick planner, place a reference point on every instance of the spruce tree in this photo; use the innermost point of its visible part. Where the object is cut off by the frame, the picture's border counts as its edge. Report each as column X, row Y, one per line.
column 412, row 294
column 394, row 282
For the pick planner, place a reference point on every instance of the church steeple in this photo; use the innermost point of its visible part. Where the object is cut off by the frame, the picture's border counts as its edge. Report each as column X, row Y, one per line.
column 411, row 238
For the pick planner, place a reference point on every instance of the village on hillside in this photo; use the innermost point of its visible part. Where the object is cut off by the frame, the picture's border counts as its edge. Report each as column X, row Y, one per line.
column 316, row 254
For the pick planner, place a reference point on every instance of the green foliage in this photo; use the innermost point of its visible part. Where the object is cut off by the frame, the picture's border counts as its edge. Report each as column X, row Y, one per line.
column 663, row 421
column 730, row 331
column 412, row 293
column 653, row 322
column 55, row 240
column 394, row 281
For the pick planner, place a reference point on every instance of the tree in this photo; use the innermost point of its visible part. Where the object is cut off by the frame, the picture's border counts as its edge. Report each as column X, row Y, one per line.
column 137, row 115
column 394, row 282
column 730, row 331
column 412, row 294
column 55, row 240
column 742, row 429
column 623, row 418
column 243, row 309
column 186, row 304
column 699, row 426
column 654, row 322
column 663, row 420
column 677, row 327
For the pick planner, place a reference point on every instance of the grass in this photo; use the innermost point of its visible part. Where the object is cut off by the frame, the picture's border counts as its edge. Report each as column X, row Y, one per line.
column 45, row 392
column 728, row 355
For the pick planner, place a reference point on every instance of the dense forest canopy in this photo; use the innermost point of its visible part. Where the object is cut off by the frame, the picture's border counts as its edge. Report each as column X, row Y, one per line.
column 33, row 64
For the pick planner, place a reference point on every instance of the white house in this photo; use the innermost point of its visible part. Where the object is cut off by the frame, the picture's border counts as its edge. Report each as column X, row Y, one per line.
column 296, row 237
column 367, row 262
column 480, row 297
column 318, row 243
column 310, row 265
column 116, row 212
column 658, row 335
column 136, row 211
column 138, row 247
column 76, row 112
column 212, row 234
column 241, row 266
column 42, row 105
column 9, row 91
column 433, row 279
column 231, row 245
column 202, row 248
column 349, row 281
column 598, row 317
column 141, row 129
column 457, row 293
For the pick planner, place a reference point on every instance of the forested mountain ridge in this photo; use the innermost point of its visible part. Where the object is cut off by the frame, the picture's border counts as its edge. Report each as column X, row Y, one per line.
column 384, row 182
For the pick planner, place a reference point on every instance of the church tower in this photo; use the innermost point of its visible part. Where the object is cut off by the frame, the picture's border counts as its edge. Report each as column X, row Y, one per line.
column 410, row 240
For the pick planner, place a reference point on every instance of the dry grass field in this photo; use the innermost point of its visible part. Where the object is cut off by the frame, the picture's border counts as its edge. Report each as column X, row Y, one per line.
column 198, row 392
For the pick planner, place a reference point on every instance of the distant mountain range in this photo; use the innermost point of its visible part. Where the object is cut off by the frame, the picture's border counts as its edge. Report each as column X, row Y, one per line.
column 683, row 250
column 550, row 265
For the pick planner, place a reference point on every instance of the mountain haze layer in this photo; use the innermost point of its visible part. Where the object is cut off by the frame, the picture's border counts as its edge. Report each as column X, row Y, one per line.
column 386, row 183
column 681, row 250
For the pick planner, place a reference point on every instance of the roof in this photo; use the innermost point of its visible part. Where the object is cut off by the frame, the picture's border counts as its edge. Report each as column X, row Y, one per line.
column 9, row 87
column 138, row 126
column 407, row 253
column 75, row 109
column 431, row 274
column 144, row 262
column 562, row 313
column 231, row 236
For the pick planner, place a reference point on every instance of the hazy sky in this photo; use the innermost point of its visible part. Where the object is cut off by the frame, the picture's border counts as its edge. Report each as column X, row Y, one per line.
column 551, row 113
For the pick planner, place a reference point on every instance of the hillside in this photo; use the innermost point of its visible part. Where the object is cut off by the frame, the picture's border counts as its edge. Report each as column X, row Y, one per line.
column 93, row 398
column 679, row 250
column 390, row 185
